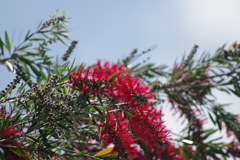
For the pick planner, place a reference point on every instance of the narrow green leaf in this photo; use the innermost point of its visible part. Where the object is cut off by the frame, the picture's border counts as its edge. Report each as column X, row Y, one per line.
column 19, row 152
column 25, row 47
column 219, row 123
column 64, row 127
column 128, row 113
column 224, row 90
column 42, row 74
column 63, row 69
column 79, row 154
column 44, row 34
column 2, row 46
column 61, row 40
column 28, row 54
column 26, row 69
column 40, row 25
column 215, row 139
column 25, row 118
column 112, row 76
column 212, row 118
column 209, row 132
column 25, row 60
column 97, row 109
column 234, row 92
column 149, row 75
column 99, row 99
column 136, row 66
column 156, row 72
column 27, row 36
column 35, row 70
column 22, row 87
column 2, row 155
column 37, row 39
column 71, row 67
column 9, row 91
column 79, row 68
column 8, row 45
column 2, row 116
column 35, row 123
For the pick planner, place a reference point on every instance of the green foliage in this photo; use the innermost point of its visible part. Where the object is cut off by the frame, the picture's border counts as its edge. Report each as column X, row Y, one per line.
column 30, row 59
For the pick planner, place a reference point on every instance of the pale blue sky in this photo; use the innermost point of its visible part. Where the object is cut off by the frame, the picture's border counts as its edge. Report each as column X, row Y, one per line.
column 109, row 30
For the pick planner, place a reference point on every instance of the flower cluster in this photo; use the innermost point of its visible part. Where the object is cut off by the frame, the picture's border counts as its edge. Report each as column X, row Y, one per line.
column 152, row 135
column 8, row 143
column 136, row 130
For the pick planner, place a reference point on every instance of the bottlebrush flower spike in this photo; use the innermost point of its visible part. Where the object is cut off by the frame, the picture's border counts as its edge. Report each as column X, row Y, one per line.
column 129, row 90
column 116, row 132
column 95, row 78
column 153, row 136
column 7, row 132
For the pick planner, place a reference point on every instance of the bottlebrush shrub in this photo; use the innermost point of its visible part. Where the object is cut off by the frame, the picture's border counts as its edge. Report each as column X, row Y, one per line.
column 61, row 115
column 130, row 122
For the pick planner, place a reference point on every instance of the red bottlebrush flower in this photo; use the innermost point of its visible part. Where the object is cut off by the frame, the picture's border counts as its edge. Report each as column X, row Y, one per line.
column 8, row 133
column 116, row 132
column 176, row 66
column 234, row 149
column 129, row 90
column 152, row 135
column 95, row 78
